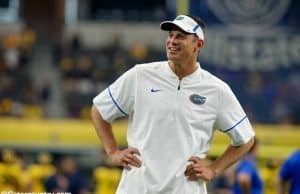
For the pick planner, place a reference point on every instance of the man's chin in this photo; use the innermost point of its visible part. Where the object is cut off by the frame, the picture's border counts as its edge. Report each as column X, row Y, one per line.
column 173, row 58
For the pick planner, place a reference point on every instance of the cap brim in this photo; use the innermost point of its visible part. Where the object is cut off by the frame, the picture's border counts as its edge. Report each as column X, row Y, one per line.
column 169, row 25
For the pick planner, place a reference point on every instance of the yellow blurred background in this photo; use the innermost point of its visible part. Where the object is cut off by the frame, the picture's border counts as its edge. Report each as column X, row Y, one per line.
column 276, row 140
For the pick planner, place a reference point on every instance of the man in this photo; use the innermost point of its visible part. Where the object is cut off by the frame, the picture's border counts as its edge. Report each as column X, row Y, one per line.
column 289, row 175
column 173, row 108
column 247, row 178
column 67, row 178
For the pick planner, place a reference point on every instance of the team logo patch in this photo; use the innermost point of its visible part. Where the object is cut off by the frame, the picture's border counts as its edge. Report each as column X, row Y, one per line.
column 197, row 99
column 179, row 18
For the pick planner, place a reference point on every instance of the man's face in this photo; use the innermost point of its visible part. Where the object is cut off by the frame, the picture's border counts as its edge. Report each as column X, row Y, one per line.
column 181, row 47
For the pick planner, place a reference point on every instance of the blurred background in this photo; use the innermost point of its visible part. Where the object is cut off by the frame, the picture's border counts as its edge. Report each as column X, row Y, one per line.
column 56, row 55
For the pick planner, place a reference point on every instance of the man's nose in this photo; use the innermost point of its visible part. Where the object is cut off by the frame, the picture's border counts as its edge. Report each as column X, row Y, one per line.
column 173, row 40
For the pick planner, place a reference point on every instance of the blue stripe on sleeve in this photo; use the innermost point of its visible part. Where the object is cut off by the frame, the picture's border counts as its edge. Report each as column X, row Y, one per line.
column 235, row 124
column 114, row 101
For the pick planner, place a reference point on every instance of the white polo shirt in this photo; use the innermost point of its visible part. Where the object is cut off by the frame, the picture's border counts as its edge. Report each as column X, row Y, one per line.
column 170, row 121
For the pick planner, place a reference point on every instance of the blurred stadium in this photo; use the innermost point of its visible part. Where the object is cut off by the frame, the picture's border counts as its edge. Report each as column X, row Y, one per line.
column 57, row 55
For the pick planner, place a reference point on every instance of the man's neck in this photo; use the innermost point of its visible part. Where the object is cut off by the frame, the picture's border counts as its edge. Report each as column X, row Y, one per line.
column 182, row 70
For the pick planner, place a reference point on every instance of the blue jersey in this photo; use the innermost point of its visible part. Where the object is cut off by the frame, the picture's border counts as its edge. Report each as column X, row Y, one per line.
column 248, row 166
column 290, row 171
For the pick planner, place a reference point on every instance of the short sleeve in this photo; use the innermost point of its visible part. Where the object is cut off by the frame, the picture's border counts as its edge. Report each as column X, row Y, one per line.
column 231, row 118
column 118, row 99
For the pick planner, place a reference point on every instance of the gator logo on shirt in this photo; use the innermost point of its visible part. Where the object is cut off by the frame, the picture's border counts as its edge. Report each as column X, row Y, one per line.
column 197, row 99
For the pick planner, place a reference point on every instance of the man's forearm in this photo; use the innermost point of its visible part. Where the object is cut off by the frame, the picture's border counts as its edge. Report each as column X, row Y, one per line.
column 230, row 156
column 104, row 131
column 244, row 181
column 246, row 188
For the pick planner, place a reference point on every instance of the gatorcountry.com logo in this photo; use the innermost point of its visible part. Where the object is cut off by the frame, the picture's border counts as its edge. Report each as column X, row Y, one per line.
column 249, row 12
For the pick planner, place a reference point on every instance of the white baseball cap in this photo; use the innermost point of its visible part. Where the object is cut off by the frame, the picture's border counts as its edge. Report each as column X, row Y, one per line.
column 185, row 23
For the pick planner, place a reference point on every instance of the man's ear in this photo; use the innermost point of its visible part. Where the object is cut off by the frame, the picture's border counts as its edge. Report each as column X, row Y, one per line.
column 200, row 43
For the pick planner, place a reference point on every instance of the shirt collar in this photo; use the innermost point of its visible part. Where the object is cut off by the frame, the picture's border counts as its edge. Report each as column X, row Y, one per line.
column 192, row 76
